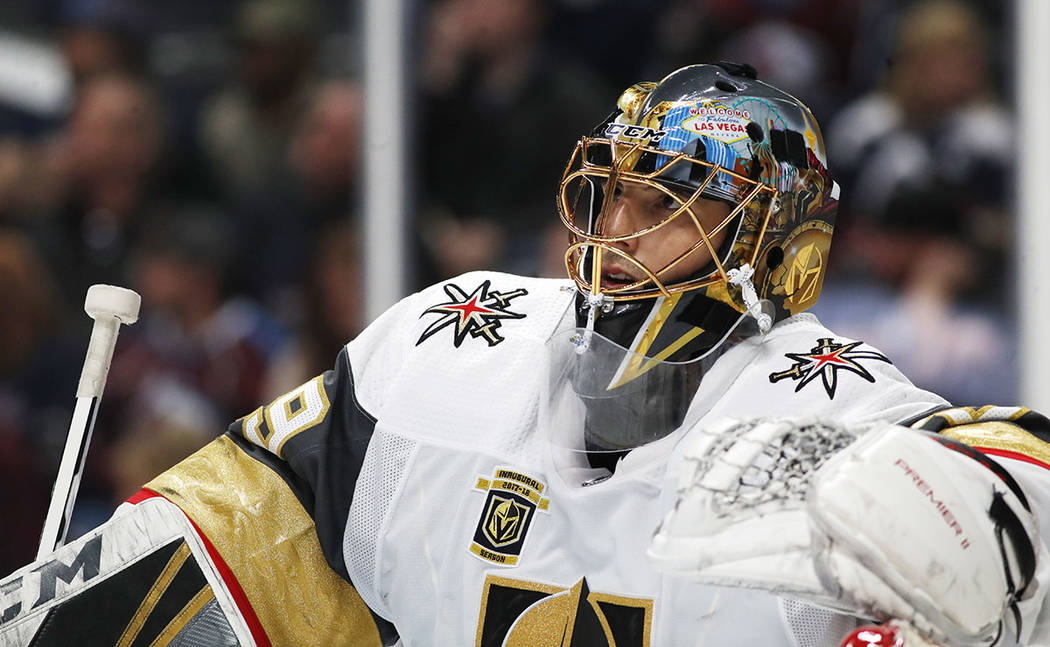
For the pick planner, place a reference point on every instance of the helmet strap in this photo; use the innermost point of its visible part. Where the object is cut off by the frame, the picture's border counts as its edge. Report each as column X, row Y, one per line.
column 593, row 303
column 742, row 276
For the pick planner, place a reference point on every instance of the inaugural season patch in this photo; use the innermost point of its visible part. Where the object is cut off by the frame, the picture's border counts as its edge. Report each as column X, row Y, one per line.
column 512, row 501
column 478, row 314
column 825, row 360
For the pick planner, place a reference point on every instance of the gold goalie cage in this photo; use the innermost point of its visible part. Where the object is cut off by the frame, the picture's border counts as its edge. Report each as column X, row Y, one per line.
column 599, row 162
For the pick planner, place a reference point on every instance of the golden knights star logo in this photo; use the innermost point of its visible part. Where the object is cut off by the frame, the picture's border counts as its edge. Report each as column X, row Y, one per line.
column 479, row 313
column 512, row 500
column 518, row 613
column 825, row 360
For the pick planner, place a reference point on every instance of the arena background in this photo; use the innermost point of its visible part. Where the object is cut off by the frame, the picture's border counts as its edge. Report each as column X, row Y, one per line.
column 226, row 161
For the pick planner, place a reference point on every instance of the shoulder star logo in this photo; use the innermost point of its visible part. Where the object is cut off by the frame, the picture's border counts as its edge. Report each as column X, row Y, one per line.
column 478, row 314
column 825, row 360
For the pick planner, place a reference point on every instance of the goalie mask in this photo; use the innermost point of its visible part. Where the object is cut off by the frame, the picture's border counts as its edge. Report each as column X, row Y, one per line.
column 703, row 202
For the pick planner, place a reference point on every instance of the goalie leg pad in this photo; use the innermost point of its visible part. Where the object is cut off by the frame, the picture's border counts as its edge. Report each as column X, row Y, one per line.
column 141, row 577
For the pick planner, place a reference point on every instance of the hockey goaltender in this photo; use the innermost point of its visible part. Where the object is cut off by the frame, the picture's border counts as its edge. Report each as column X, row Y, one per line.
column 663, row 450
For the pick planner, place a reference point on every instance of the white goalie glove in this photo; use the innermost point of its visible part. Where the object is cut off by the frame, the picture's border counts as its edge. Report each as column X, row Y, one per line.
column 879, row 521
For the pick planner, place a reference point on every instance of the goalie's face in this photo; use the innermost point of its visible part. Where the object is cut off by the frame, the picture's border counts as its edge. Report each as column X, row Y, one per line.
column 645, row 223
column 671, row 252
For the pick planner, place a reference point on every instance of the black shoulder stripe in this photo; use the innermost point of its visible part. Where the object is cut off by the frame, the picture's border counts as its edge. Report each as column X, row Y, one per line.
column 1033, row 422
column 345, row 357
column 315, row 438
column 329, row 457
column 1036, row 424
column 910, row 422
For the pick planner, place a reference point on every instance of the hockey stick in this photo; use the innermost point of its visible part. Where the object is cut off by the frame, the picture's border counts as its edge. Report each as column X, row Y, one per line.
column 109, row 306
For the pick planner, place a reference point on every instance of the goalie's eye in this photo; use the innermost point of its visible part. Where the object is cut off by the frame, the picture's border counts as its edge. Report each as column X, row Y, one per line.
column 617, row 189
column 669, row 203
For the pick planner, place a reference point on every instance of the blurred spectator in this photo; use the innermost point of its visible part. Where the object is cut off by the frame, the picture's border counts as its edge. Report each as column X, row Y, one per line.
column 802, row 46
column 927, row 157
column 925, row 162
column 191, row 330
column 280, row 224
column 94, row 38
column 107, row 162
column 114, row 142
column 501, row 113
column 787, row 56
column 100, row 37
column 32, row 178
column 169, row 422
column 246, row 126
column 325, row 150
column 555, row 243
column 36, row 396
column 333, row 309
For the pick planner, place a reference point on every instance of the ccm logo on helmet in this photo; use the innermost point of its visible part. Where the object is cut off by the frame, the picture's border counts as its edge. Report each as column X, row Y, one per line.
column 635, row 132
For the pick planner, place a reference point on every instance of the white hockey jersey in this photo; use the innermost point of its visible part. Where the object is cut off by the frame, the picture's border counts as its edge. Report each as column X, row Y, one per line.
column 413, row 492
column 461, row 529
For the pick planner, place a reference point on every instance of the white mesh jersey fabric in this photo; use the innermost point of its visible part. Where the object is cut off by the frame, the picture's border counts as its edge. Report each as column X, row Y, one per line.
column 377, row 488
column 813, row 626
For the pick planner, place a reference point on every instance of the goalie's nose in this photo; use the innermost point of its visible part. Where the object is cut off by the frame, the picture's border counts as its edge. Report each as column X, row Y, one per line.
column 622, row 219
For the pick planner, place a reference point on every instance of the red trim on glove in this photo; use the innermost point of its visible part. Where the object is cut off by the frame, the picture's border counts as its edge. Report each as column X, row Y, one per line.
column 1017, row 456
column 243, row 605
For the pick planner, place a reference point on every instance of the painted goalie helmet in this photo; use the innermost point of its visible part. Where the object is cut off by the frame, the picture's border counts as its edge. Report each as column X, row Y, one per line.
column 738, row 168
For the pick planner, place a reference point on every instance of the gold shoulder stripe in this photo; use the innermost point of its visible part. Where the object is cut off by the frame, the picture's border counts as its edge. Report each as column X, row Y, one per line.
column 965, row 415
column 1002, row 436
column 269, row 542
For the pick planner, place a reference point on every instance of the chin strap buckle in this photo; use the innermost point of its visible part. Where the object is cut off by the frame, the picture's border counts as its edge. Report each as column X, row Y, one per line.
column 594, row 302
column 742, row 276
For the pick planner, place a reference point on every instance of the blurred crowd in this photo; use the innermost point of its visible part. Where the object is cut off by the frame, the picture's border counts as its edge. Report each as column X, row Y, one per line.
column 207, row 155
